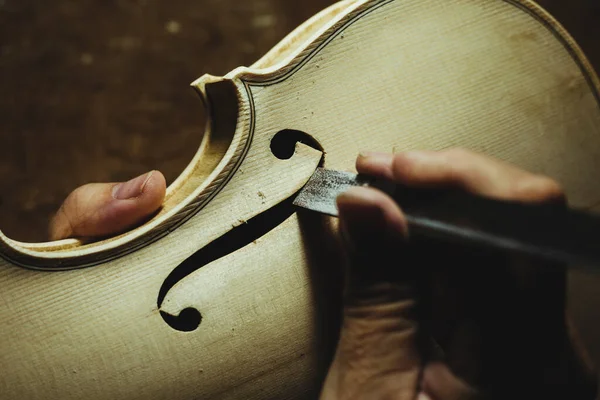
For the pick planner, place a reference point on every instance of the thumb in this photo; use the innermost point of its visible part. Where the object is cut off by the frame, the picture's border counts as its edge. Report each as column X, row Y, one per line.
column 101, row 209
column 376, row 355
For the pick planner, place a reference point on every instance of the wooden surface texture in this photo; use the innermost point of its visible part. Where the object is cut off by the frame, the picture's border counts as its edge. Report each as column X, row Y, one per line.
column 500, row 77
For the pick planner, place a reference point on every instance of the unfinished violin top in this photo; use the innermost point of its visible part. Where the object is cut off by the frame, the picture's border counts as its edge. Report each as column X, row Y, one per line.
column 227, row 292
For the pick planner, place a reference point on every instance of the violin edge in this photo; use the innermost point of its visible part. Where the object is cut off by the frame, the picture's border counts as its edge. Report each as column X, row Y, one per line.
column 284, row 58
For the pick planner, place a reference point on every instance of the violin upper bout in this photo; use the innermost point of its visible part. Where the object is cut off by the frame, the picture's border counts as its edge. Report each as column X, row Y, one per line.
column 221, row 151
column 228, row 136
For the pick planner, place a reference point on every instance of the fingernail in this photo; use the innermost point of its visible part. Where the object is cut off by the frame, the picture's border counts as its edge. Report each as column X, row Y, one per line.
column 372, row 157
column 372, row 154
column 131, row 189
column 423, row 396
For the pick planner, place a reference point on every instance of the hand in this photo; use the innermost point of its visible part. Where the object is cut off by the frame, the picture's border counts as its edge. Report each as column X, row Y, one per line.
column 102, row 209
column 425, row 320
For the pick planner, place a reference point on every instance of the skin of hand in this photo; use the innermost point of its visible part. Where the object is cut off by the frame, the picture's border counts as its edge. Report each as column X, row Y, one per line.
column 429, row 321
column 422, row 321
column 101, row 209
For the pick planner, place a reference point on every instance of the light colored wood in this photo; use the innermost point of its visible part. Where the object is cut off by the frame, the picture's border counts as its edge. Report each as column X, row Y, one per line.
column 499, row 77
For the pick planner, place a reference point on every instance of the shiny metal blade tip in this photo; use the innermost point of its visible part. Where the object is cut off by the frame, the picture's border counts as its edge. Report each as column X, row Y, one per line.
column 322, row 189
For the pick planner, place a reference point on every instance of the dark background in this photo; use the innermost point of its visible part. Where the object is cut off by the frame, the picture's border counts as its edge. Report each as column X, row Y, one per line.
column 98, row 91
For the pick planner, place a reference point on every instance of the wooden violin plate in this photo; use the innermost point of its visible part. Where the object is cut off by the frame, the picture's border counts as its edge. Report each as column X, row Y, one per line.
column 226, row 293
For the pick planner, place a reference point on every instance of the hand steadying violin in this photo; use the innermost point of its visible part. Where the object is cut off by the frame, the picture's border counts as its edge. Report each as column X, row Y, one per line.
column 421, row 320
column 101, row 209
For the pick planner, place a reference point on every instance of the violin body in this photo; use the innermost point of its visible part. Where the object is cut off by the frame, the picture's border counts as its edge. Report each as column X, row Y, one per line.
column 229, row 292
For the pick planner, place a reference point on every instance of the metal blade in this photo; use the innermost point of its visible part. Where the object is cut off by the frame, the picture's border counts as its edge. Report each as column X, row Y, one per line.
column 547, row 231
column 322, row 189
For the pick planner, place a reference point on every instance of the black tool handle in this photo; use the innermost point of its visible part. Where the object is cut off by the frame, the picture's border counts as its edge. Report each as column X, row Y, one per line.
column 550, row 231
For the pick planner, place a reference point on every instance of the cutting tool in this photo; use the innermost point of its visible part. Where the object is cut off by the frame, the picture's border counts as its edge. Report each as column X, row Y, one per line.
column 549, row 231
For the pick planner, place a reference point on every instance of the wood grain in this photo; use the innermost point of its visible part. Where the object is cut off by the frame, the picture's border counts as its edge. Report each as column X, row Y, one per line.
column 499, row 77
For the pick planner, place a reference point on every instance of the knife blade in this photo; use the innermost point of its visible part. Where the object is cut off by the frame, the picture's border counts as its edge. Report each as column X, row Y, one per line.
column 549, row 231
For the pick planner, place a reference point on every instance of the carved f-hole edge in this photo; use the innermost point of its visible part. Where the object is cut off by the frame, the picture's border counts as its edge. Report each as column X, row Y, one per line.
column 283, row 146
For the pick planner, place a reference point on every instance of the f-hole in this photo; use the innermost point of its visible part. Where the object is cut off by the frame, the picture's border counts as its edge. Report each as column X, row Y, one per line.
column 283, row 146
column 188, row 319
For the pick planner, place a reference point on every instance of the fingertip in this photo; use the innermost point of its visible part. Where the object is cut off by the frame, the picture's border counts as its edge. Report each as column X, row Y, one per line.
column 356, row 198
column 536, row 189
column 154, row 190
column 119, row 215
column 375, row 164
column 366, row 212
column 104, row 209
